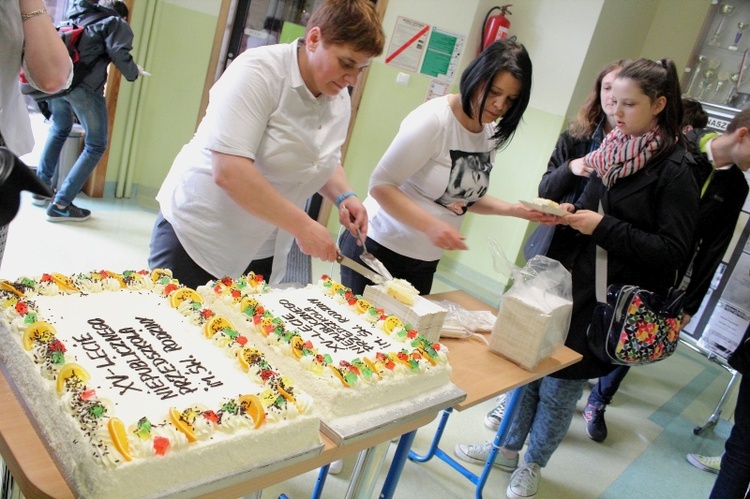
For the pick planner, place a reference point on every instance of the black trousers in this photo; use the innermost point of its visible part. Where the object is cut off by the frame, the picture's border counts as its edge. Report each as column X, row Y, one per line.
column 167, row 253
column 418, row 272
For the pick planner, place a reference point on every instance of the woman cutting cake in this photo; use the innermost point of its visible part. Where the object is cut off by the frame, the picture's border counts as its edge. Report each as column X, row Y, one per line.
column 233, row 201
column 438, row 168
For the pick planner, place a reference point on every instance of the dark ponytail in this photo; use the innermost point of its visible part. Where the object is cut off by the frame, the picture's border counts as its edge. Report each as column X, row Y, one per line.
column 659, row 79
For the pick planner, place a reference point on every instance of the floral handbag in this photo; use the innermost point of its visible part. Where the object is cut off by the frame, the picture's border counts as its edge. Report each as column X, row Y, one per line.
column 632, row 326
column 635, row 326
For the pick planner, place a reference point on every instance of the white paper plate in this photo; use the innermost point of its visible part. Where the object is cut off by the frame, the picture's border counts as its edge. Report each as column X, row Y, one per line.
column 552, row 210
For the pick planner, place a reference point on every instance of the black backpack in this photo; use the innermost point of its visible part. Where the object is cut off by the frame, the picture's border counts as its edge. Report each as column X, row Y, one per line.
column 70, row 33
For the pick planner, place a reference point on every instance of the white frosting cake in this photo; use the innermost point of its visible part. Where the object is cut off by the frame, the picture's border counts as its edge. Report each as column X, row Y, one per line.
column 348, row 355
column 137, row 386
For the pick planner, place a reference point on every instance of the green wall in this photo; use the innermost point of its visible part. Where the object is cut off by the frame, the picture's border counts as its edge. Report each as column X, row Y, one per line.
column 161, row 111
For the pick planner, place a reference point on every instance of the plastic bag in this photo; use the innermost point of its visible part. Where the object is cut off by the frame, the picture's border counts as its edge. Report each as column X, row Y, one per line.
column 462, row 323
column 534, row 314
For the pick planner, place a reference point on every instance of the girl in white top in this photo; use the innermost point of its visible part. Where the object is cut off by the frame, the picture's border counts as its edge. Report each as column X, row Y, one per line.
column 438, row 166
column 235, row 197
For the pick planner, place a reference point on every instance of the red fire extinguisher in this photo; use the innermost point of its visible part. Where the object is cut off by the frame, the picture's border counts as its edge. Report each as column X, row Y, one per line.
column 495, row 27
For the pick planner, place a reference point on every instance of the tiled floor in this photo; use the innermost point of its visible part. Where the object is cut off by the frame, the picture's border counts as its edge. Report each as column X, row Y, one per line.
column 650, row 422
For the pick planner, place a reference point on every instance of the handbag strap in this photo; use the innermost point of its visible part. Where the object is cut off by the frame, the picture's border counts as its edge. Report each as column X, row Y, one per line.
column 601, row 269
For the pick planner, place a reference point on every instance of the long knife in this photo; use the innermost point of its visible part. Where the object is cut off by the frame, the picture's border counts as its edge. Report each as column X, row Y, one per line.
column 360, row 269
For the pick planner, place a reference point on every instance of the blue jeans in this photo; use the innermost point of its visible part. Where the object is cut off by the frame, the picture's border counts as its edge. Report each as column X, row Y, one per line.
column 91, row 110
column 607, row 386
column 545, row 414
column 734, row 476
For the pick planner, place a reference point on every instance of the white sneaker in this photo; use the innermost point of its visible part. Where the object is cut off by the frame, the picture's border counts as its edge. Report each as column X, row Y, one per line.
column 336, row 467
column 524, row 482
column 494, row 418
column 479, row 453
column 712, row 464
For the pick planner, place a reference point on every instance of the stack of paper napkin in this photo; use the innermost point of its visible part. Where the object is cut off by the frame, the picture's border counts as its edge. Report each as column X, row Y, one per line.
column 425, row 316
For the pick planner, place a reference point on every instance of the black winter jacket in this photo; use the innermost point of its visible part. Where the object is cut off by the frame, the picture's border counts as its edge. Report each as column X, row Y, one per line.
column 107, row 37
column 647, row 231
column 719, row 208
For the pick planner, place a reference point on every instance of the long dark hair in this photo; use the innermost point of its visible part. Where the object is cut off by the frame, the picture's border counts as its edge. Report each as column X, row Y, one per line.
column 591, row 113
column 659, row 79
column 503, row 55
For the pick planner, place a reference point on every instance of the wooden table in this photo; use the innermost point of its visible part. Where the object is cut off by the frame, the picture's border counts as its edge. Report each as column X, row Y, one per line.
column 477, row 371
column 482, row 375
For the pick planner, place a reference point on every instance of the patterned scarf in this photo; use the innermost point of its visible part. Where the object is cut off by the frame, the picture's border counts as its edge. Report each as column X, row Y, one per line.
column 621, row 155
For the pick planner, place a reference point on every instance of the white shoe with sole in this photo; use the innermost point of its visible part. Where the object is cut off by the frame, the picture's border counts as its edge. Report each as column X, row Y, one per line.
column 524, row 482
column 712, row 464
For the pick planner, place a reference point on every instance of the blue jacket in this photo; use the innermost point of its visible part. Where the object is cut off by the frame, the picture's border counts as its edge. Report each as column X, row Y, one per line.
column 107, row 37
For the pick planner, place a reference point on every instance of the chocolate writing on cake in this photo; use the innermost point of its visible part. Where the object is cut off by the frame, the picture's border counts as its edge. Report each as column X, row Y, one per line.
column 326, row 326
column 149, row 369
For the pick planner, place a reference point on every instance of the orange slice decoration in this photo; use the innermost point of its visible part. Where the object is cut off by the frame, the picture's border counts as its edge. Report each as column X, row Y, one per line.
column 243, row 355
column 183, row 294
column 69, row 370
column 64, row 282
column 119, row 437
column 182, row 425
column 157, row 274
column 216, row 324
column 40, row 330
column 426, row 356
column 8, row 286
column 338, row 375
column 253, row 408
column 297, row 345
column 392, row 323
column 372, row 366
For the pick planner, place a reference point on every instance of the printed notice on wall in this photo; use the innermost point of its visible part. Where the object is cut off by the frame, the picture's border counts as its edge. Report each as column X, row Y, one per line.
column 731, row 316
column 407, row 44
column 725, row 329
column 438, row 88
column 443, row 52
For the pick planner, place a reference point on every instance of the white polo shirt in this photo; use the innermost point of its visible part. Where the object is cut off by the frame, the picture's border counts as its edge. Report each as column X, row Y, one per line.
column 260, row 109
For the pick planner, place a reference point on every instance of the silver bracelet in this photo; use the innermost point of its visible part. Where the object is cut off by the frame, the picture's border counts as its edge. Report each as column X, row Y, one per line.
column 33, row 13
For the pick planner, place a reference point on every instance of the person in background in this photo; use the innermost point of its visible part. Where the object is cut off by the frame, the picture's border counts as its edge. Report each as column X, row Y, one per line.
column 694, row 116
column 564, row 181
column 650, row 203
column 107, row 37
column 234, row 199
column 720, row 163
column 267, row 36
column 438, row 166
column 29, row 40
column 734, row 476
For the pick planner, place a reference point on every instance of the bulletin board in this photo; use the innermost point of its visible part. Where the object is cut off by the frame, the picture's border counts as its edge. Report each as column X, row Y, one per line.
column 429, row 50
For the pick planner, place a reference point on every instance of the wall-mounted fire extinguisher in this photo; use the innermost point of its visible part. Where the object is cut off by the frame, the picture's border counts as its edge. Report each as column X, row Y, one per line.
column 495, row 27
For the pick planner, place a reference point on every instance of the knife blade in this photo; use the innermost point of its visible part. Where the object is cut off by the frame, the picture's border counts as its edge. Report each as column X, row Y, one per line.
column 360, row 269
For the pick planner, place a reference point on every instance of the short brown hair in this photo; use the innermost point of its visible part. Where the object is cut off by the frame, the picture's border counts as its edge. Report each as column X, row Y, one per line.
column 349, row 22
column 741, row 120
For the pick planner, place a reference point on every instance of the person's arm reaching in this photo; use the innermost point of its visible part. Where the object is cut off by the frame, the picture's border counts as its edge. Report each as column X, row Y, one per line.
column 247, row 187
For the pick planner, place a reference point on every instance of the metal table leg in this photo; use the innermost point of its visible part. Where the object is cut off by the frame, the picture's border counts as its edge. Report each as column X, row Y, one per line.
column 434, row 450
column 366, row 471
column 719, row 407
